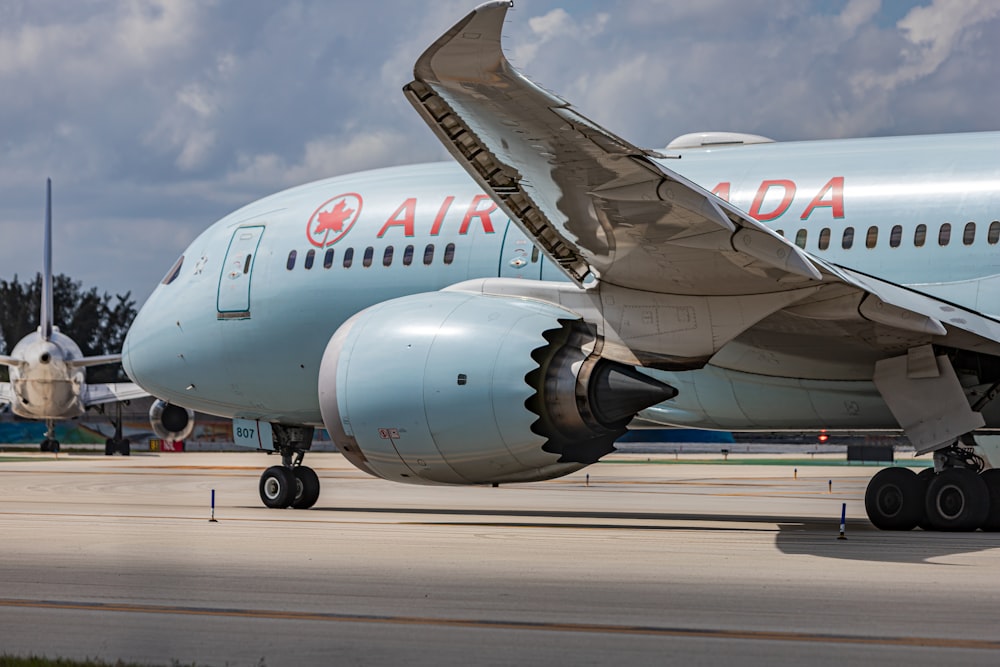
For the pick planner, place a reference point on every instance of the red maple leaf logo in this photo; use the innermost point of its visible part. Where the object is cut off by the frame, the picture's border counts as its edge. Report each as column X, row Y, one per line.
column 333, row 220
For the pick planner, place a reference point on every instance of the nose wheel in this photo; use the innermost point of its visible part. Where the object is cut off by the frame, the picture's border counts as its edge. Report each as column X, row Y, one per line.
column 290, row 484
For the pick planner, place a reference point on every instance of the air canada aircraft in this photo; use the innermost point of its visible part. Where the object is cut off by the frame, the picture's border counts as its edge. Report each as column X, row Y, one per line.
column 46, row 371
column 508, row 316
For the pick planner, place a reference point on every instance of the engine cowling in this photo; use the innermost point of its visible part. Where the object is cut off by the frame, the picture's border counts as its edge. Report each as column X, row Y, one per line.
column 460, row 388
column 169, row 421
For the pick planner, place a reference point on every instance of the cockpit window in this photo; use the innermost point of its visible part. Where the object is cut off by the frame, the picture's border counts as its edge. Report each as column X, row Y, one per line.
column 174, row 271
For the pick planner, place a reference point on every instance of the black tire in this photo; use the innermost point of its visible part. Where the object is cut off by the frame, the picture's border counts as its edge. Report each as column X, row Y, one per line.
column 109, row 447
column 894, row 499
column 54, row 446
column 307, row 488
column 992, row 479
column 925, row 476
column 957, row 499
column 277, row 487
column 45, row 445
column 125, row 447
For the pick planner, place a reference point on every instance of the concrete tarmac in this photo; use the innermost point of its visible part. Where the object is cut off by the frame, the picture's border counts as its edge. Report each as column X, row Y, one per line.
column 651, row 563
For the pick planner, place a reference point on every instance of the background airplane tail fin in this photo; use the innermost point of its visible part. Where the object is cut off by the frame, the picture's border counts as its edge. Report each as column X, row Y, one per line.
column 46, row 313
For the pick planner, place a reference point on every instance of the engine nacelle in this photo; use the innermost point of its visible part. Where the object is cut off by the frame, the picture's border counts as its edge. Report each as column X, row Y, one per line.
column 169, row 421
column 460, row 388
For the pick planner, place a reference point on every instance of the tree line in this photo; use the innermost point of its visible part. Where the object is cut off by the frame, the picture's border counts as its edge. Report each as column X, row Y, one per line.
column 96, row 322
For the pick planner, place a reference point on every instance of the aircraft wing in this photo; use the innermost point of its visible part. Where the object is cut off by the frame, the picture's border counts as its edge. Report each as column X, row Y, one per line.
column 110, row 392
column 101, row 360
column 9, row 361
column 596, row 204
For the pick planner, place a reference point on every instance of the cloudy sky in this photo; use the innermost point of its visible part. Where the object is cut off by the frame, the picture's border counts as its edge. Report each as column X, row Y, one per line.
column 154, row 118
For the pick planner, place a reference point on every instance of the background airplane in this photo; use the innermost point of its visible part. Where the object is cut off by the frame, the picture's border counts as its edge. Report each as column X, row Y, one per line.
column 391, row 306
column 47, row 374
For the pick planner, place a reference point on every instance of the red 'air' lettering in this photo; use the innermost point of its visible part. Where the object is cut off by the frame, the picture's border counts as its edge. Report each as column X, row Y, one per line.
column 836, row 201
column 402, row 217
column 722, row 190
column 483, row 215
column 443, row 211
column 782, row 206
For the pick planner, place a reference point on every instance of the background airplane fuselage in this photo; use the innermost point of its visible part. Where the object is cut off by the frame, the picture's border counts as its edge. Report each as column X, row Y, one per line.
column 45, row 385
column 241, row 330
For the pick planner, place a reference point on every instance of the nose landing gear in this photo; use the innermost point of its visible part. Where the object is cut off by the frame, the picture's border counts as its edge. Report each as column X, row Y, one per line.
column 290, row 484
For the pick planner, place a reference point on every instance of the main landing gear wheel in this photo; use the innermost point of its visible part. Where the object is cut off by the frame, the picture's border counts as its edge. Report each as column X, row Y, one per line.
column 992, row 479
column 113, row 446
column 49, row 445
column 895, row 499
column 957, row 499
column 306, row 488
column 278, row 487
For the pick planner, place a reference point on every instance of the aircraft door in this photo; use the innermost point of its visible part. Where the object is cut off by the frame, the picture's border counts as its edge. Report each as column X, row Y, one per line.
column 234, row 281
column 519, row 258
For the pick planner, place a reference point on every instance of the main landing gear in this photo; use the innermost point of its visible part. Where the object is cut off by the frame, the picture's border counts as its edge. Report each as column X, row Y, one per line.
column 50, row 444
column 290, row 484
column 117, row 444
column 956, row 495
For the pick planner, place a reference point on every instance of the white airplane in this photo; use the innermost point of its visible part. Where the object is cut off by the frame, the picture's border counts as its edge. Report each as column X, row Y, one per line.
column 508, row 320
column 47, row 376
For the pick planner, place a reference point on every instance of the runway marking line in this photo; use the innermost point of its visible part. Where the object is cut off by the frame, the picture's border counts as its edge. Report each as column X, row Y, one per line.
column 589, row 628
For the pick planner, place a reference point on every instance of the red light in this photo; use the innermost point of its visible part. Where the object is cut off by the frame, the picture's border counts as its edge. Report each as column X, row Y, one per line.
column 823, row 437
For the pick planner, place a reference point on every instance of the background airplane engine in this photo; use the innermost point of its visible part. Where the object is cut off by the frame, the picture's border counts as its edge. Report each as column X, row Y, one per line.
column 459, row 388
column 169, row 421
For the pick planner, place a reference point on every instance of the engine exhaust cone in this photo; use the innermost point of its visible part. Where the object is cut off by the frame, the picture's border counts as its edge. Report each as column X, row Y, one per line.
column 618, row 392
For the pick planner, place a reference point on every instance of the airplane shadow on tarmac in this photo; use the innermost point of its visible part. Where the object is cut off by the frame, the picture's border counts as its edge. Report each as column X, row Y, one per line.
column 795, row 535
column 865, row 542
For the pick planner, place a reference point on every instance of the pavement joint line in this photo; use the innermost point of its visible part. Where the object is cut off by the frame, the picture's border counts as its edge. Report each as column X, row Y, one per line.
column 488, row 624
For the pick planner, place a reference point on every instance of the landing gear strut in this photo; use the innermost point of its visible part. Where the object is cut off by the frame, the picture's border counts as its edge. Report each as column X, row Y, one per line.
column 50, row 444
column 954, row 496
column 290, row 484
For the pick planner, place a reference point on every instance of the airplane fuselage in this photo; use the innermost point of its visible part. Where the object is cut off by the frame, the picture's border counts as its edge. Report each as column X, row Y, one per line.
column 263, row 289
column 44, row 385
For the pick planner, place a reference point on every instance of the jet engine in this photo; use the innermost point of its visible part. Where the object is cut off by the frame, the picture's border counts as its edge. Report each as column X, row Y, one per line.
column 169, row 421
column 461, row 388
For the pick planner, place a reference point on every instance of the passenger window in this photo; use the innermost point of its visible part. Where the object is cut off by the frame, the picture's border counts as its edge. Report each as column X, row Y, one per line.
column 348, row 258
column 175, row 270
column 895, row 236
column 871, row 240
column 310, row 258
column 994, row 234
column 944, row 234
column 408, row 255
column 824, row 238
column 800, row 238
column 290, row 264
column 387, row 256
column 328, row 258
column 429, row 253
column 969, row 235
column 848, row 241
column 919, row 235
column 534, row 254
column 449, row 253
column 246, row 264
column 369, row 253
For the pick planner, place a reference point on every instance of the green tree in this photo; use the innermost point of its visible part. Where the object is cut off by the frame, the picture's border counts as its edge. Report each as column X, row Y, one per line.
column 96, row 322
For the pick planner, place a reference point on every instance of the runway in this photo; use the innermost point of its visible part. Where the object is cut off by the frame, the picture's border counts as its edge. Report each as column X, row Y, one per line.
column 644, row 563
